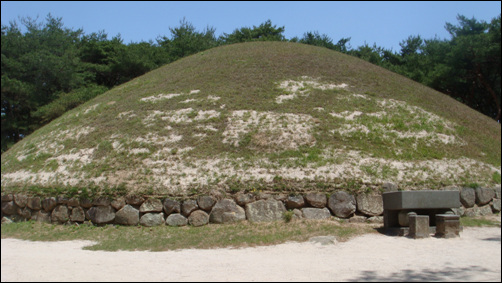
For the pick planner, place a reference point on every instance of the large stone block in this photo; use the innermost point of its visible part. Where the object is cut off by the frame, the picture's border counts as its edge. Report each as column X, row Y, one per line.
column 60, row 214
column 21, row 200
column 293, row 202
column 9, row 208
column 316, row 199
column 152, row 219
column 34, row 203
column 48, row 204
column 188, row 206
column 447, row 226
column 198, row 218
column 426, row 199
column 171, row 206
column 101, row 214
column 496, row 205
column 226, row 211
column 206, row 202
column 265, row 210
column 342, row 204
column 370, row 204
column 484, row 195
column 419, row 226
column 127, row 215
column 151, row 205
column 468, row 197
column 77, row 214
column 176, row 219
column 243, row 199
column 316, row 213
column 134, row 200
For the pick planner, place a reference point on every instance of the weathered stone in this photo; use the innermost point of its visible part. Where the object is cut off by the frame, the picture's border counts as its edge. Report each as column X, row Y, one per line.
column 226, row 211
column 485, row 210
column 101, row 201
column 342, row 204
column 134, row 200
column 7, row 197
column 77, row 214
column 262, row 195
column 171, row 206
column 472, row 211
column 101, row 214
column 370, row 204
column 48, row 204
column 297, row 214
column 265, row 210
column 206, row 202
column 24, row 213
column 375, row 219
column 41, row 216
column 243, row 199
column 9, row 207
column 176, row 219
column 404, row 217
column 295, row 202
column 20, row 200
column 62, row 200
column 151, row 205
column 188, row 206
column 496, row 205
column 419, row 226
column 389, row 187
column 316, row 199
column 73, row 202
column 497, row 191
column 358, row 219
column 447, row 226
column 6, row 220
column 281, row 197
column 467, row 197
column 458, row 211
column 484, row 195
column 34, row 203
column 60, row 214
column 316, row 213
column 127, row 215
column 119, row 203
column 198, row 218
column 85, row 203
column 152, row 219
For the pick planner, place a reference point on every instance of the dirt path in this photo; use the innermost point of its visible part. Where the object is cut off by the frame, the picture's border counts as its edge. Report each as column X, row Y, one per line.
column 475, row 256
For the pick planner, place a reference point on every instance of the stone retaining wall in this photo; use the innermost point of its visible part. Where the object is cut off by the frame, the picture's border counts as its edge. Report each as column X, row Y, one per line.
column 262, row 207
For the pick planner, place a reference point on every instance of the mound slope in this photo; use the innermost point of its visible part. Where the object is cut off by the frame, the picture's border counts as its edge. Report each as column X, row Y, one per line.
column 260, row 116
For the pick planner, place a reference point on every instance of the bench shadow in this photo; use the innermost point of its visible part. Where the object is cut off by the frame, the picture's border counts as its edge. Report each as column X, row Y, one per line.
column 408, row 275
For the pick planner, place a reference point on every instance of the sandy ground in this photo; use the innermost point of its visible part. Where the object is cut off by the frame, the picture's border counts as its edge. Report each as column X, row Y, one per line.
column 474, row 256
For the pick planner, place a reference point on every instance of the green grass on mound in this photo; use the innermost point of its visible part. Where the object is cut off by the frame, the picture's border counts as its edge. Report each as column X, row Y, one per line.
column 259, row 116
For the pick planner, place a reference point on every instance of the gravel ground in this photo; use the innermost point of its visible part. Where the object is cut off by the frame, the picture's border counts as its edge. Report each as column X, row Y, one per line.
column 474, row 256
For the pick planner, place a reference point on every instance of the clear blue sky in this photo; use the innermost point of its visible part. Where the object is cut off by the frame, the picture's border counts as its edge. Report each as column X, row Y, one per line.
column 383, row 23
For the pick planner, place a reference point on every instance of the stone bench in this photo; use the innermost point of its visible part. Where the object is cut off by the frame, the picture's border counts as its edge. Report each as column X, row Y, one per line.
column 397, row 206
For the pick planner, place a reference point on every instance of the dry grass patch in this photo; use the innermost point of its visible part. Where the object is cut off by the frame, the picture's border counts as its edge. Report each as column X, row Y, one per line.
column 162, row 238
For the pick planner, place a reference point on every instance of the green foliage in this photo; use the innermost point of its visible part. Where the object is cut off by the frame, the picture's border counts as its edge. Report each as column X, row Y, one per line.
column 66, row 101
column 287, row 216
column 264, row 32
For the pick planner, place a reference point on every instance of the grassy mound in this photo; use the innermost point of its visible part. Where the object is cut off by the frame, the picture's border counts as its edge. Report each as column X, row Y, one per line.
column 259, row 116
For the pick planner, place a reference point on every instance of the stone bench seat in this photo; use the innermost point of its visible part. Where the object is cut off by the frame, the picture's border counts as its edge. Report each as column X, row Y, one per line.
column 398, row 205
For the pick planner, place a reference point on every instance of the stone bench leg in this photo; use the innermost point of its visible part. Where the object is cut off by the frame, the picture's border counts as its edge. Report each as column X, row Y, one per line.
column 447, row 226
column 419, row 226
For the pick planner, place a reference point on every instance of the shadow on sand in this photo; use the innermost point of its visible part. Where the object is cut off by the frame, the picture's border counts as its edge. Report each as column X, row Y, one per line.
column 424, row 275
